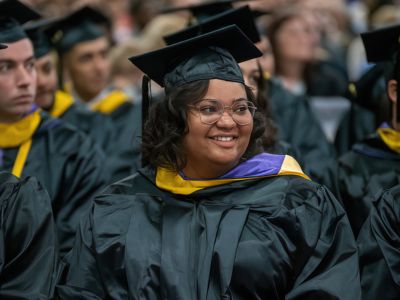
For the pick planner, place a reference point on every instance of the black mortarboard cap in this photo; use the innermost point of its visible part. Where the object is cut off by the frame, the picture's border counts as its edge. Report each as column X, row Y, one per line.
column 214, row 55
column 83, row 25
column 12, row 14
column 241, row 17
column 381, row 44
column 366, row 91
column 40, row 40
column 203, row 11
column 18, row 11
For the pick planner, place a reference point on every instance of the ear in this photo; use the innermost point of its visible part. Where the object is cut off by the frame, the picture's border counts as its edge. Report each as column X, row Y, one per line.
column 392, row 90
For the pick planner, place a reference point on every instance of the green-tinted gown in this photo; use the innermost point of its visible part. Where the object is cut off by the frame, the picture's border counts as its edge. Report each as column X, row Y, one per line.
column 126, row 137
column 298, row 126
column 359, row 174
column 94, row 124
column 99, row 127
column 69, row 165
column 379, row 248
column 28, row 244
column 274, row 238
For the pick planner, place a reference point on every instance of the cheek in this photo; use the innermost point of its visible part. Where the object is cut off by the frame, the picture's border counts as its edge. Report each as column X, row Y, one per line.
column 79, row 71
column 246, row 132
column 6, row 86
column 196, row 133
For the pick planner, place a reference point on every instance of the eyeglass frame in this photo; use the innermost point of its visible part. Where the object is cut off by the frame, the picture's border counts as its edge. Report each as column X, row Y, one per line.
column 224, row 107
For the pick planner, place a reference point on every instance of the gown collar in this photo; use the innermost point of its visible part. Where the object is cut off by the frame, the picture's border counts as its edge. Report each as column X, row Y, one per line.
column 260, row 166
column 15, row 134
column 110, row 102
column 62, row 102
column 390, row 137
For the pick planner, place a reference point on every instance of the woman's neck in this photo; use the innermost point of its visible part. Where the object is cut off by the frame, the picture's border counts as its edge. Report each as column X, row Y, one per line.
column 292, row 71
column 208, row 172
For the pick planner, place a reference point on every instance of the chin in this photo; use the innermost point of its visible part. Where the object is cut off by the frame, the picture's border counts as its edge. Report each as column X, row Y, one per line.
column 45, row 100
column 227, row 161
column 24, row 108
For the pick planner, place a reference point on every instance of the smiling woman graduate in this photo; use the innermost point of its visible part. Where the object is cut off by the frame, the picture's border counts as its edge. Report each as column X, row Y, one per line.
column 210, row 217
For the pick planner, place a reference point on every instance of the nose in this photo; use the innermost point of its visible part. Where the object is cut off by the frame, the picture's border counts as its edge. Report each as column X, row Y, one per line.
column 100, row 64
column 25, row 77
column 226, row 120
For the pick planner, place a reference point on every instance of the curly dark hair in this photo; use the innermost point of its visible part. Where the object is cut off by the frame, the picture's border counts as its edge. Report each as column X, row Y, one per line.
column 166, row 127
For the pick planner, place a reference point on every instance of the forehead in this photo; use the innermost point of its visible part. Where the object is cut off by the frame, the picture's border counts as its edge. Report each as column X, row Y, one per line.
column 18, row 51
column 294, row 21
column 225, row 90
column 92, row 46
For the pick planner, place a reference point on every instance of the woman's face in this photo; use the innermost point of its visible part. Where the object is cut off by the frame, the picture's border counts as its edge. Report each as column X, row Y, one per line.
column 251, row 74
column 294, row 41
column 267, row 61
column 212, row 150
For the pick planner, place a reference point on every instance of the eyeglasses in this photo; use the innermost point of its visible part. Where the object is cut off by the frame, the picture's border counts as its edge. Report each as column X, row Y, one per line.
column 210, row 111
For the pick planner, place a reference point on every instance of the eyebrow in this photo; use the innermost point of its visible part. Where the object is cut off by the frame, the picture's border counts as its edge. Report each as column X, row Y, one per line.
column 218, row 100
column 13, row 61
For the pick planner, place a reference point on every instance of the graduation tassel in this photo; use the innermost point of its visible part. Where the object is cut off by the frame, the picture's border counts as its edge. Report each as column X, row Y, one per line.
column 146, row 102
column 397, row 78
column 60, row 70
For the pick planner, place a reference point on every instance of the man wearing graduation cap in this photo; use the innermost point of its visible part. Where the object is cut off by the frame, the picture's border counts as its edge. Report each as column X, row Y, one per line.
column 368, row 181
column 210, row 216
column 64, row 160
column 60, row 104
column 373, row 163
column 81, row 41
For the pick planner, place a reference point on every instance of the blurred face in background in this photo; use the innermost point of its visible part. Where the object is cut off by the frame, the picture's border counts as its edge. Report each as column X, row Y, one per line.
column 266, row 61
column 17, row 80
column 88, row 67
column 251, row 74
column 294, row 41
column 46, row 80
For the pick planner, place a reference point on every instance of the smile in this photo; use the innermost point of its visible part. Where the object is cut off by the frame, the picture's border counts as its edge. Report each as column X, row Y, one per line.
column 223, row 138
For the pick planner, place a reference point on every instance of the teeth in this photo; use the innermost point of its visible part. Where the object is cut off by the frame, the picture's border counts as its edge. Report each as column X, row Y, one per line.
column 223, row 138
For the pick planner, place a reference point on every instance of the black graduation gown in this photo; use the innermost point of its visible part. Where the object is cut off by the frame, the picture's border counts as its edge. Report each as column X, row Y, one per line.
column 360, row 174
column 379, row 248
column 28, row 253
column 126, row 140
column 69, row 165
column 275, row 238
column 94, row 124
column 326, row 78
column 298, row 126
column 102, row 130
column 355, row 126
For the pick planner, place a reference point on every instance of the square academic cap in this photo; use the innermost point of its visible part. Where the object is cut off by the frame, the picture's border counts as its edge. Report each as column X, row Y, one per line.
column 83, row 25
column 18, row 11
column 36, row 33
column 205, row 10
column 214, row 55
column 241, row 17
column 381, row 44
column 12, row 14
